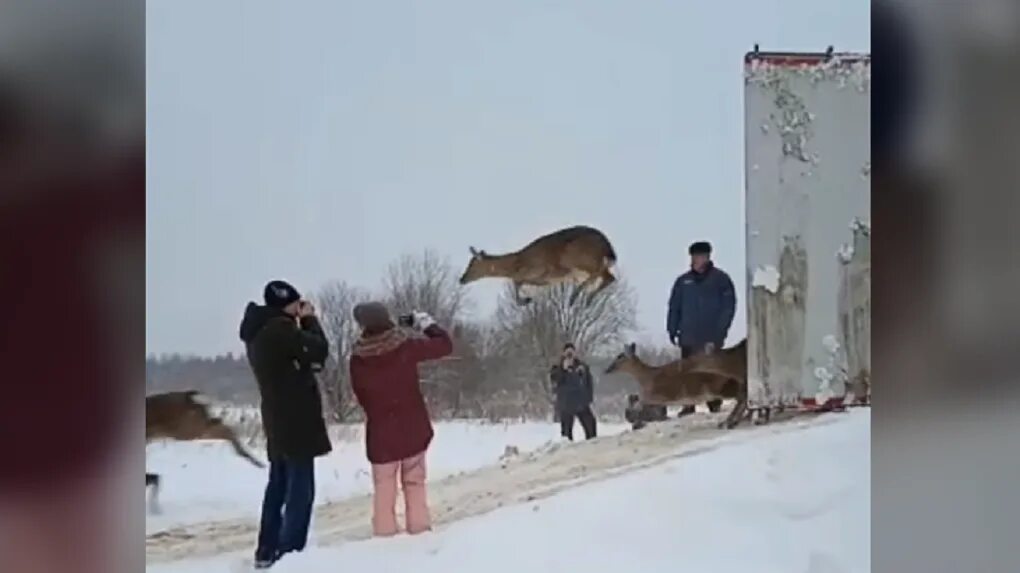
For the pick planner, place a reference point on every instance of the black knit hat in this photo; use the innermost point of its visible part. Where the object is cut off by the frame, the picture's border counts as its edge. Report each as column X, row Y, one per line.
column 700, row 248
column 279, row 294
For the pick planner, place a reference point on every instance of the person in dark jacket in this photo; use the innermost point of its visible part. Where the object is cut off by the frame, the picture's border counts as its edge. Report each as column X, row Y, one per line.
column 701, row 308
column 398, row 429
column 575, row 390
column 285, row 347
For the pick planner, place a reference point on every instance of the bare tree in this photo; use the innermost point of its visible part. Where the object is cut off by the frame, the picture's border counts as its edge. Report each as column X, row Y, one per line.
column 426, row 282
column 532, row 336
column 336, row 301
column 595, row 325
column 429, row 283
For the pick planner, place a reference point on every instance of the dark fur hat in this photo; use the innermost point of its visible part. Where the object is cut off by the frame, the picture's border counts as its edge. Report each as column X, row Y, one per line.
column 700, row 248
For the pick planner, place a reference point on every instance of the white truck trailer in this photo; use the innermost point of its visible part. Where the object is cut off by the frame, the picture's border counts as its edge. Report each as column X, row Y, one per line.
column 808, row 206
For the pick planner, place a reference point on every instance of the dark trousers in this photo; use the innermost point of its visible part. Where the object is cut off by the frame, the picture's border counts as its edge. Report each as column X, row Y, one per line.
column 286, row 508
column 713, row 405
column 585, row 416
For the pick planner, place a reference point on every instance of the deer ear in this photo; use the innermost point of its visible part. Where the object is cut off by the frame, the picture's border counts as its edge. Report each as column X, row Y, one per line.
column 631, row 348
column 474, row 251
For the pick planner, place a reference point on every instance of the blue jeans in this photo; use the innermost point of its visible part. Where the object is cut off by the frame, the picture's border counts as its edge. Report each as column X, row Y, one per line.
column 286, row 508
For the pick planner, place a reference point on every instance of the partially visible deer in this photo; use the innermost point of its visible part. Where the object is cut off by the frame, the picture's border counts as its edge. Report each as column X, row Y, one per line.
column 727, row 362
column 669, row 384
column 184, row 416
column 580, row 254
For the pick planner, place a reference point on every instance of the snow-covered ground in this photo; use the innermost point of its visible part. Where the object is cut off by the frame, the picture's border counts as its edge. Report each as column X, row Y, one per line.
column 205, row 481
column 778, row 498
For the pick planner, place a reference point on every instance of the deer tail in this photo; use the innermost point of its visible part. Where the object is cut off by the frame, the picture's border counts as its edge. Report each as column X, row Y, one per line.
column 610, row 254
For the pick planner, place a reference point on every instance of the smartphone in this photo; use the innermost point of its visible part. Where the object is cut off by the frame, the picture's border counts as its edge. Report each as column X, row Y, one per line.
column 406, row 320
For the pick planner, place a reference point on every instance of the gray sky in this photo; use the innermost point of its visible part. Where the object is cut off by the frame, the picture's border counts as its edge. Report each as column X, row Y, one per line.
column 321, row 140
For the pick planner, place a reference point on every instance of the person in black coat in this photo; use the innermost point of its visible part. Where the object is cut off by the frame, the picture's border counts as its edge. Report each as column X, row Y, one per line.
column 575, row 390
column 701, row 308
column 286, row 347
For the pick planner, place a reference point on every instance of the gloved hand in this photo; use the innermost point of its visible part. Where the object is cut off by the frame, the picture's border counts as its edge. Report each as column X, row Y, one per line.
column 674, row 338
column 422, row 320
column 709, row 347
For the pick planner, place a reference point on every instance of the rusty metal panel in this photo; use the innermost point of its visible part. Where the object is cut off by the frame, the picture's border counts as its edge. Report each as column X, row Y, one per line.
column 808, row 202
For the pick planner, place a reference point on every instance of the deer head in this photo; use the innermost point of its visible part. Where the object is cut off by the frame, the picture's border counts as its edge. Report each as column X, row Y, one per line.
column 479, row 267
column 624, row 359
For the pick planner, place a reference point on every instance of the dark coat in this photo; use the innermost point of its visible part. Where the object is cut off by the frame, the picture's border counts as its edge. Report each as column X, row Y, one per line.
column 701, row 307
column 284, row 359
column 384, row 376
column 574, row 387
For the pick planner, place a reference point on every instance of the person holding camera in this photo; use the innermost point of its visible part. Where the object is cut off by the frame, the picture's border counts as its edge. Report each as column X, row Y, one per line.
column 575, row 391
column 286, row 346
column 398, row 428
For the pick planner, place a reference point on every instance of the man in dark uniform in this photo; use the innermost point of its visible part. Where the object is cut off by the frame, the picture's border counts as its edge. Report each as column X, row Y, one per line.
column 701, row 308
column 575, row 390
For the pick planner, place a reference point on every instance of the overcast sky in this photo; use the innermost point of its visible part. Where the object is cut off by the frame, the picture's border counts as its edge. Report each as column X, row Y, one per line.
column 312, row 141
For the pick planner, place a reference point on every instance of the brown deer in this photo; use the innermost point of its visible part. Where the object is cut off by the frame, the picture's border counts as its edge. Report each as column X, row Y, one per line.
column 669, row 384
column 184, row 416
column 580, row 254
column 728, row 362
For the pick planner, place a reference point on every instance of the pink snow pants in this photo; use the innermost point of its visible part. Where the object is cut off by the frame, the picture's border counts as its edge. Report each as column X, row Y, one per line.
column 411, row 472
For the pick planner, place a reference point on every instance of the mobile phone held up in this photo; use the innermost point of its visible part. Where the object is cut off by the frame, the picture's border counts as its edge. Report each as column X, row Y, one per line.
column 406, row 320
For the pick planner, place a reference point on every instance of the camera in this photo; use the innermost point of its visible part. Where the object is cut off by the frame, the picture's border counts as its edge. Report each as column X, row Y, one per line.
column 406, row 320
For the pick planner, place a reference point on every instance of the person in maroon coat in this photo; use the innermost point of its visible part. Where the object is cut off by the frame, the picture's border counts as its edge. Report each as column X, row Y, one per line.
column 398, row 430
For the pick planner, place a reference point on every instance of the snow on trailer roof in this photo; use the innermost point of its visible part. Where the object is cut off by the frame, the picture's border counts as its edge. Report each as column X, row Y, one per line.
column 772, row 70
column 806, row 58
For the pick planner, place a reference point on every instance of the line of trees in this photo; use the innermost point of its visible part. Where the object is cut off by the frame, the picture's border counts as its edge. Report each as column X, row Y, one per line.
column 499, row 366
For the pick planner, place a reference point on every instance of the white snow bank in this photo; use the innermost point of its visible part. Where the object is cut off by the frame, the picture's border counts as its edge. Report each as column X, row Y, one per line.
column 771, row 502
column 205, row 481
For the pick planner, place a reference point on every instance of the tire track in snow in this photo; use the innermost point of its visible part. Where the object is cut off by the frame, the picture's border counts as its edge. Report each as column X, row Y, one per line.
column 524, row 478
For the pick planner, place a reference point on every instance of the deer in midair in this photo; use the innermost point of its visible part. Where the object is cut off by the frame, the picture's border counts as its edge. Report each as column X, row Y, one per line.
column 669, row 384
column 184, row 416
column 580, row 254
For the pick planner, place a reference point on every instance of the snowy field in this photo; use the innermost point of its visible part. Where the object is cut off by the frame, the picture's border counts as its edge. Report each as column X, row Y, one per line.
column 205, row 481
column 780, row 498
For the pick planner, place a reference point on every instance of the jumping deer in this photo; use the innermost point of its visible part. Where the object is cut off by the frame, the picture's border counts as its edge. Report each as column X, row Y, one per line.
column 670, row 384
column 184, row 416
column 580, row 254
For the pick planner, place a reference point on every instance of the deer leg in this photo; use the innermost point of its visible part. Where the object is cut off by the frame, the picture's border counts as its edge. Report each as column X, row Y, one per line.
column 152, row 484
column 733, row 419
column 581, row 287
column 605, row 279
column 521, row 300
column 220, row 431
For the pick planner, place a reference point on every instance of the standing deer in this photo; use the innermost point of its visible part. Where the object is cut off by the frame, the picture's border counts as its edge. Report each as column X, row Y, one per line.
column 729, row 362
column 580, row 254
column 670, row 384
column 183, row 416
